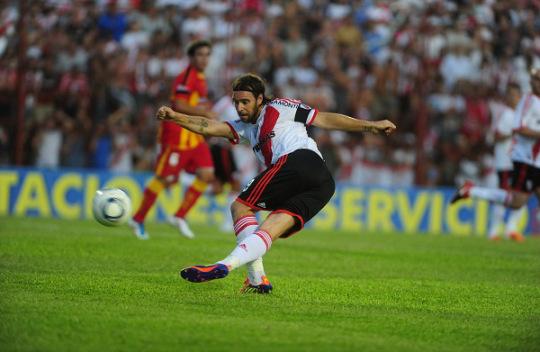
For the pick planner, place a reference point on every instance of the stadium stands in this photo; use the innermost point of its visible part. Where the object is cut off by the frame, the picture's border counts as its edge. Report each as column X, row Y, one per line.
column 97, row 70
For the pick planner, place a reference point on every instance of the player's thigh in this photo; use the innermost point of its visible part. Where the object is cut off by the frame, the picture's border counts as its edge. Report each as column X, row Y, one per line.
column 197, row 159
column 168, row 165
column 277, row 224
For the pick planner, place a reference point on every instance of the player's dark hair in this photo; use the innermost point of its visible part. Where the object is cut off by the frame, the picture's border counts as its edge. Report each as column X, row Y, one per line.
column 250, row 82
column 194, row 46
column 513, row 85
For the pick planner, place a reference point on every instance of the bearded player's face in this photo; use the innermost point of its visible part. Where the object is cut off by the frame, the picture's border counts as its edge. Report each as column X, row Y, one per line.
column 247, row 106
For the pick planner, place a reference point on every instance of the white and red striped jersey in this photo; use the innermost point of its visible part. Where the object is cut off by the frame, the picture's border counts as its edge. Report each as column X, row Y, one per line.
column 279, row 130
column 502, row 125
column 527, row 149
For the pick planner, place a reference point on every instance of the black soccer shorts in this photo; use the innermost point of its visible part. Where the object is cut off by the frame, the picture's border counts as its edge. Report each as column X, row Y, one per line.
column 525, row 177
column 224, row 164
column 298, row 184
column 505, row 179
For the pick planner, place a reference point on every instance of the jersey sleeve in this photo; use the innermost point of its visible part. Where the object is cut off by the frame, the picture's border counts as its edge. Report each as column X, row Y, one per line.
column 305, row 114
column 181, row 89
column 239, row 131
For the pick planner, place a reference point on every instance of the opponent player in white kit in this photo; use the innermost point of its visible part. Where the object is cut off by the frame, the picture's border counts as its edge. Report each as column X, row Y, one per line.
column 296, row 184
column 525, row 156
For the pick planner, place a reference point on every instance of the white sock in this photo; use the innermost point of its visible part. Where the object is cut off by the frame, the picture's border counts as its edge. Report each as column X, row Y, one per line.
column 498, row 219
column 513, row 219
column 251, row 248
column 496, row 195
column 244, row 227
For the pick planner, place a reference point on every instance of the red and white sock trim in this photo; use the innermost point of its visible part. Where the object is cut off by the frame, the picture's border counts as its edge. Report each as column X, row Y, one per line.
column 265, row 236
column 243, row 222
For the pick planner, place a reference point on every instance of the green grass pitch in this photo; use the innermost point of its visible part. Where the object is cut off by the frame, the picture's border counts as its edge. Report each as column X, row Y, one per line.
column 79, row 286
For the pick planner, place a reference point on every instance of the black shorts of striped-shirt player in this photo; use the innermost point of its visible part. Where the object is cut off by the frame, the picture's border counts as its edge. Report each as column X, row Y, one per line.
column 298, row 184
column 525, row 177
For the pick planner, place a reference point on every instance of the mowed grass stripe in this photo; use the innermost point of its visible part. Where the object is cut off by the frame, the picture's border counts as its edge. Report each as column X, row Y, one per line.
column 76, row 285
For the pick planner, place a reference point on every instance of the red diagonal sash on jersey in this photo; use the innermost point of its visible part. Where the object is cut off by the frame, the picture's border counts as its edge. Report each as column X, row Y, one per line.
column 536, row 149
column 526, row 106
column 270, row 118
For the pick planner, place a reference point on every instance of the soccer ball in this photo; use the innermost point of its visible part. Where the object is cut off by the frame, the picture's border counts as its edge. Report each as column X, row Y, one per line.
column 111, row 206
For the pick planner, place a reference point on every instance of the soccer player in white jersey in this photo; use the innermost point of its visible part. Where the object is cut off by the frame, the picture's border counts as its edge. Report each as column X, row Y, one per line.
column 296, row 184
column 525, row 156
column 503, row 121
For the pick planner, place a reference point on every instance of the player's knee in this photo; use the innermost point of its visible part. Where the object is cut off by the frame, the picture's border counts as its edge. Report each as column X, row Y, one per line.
column 217, row 187
column 236, row 207
column 238, row 210
column 163, row 182
column 518, row 200
column 235, row 186
column 206, row 176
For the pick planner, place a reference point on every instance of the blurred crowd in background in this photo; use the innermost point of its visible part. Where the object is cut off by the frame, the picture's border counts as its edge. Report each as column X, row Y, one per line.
column 98, row 70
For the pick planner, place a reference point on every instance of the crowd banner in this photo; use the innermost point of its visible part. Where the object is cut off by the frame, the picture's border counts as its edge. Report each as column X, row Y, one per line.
column 67, row 194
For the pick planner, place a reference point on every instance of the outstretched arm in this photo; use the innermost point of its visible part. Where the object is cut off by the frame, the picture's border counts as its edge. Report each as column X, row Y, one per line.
column 184, row 108
column 197, row 124
column 527, row 132
column 335, row 121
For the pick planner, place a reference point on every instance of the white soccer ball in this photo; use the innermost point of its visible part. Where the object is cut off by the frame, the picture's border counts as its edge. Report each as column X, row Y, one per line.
column 111, row 206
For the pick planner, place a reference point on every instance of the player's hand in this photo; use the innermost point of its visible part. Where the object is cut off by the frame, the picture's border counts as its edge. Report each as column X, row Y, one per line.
column 385, row 126
column 165, row 113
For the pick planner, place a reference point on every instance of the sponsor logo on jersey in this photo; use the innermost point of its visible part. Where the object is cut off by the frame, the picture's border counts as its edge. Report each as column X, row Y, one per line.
column 262, row 205
column 257, row 147
column 287, row 103
column 182, row 89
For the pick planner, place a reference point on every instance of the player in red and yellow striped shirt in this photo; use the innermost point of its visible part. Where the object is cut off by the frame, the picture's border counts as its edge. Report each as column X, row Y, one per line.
column 181, row 149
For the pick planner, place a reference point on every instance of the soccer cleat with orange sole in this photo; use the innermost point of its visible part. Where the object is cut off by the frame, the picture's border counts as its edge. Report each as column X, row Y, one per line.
column 463, row 192
column 203, row 273
column 516, row 236
column 263, row 288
